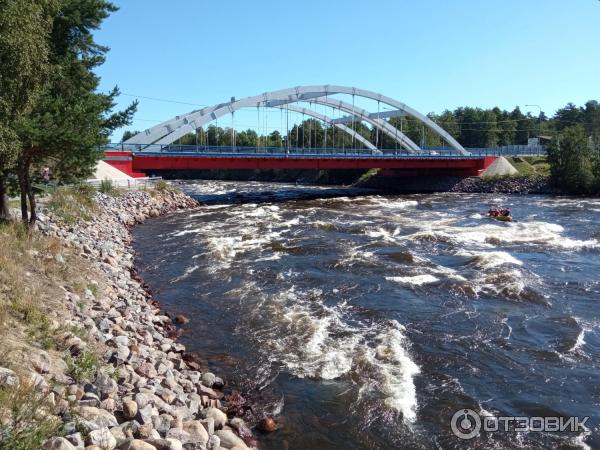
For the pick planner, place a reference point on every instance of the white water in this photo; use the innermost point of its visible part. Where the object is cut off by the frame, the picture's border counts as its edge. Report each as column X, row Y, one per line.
column 345, row 296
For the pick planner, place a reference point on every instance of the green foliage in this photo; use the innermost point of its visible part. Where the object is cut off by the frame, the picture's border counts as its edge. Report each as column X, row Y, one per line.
column 162, row 185
column 70, row 118
column 24, row 48
column 26, row 419
column 82, row 367
column 573, row 158
column 24, row 65
column 107, row 187
column 36, row 321
column 366, row 176
column 18, row 296
column 73, row 203
column 128, row 135
column 530, row 165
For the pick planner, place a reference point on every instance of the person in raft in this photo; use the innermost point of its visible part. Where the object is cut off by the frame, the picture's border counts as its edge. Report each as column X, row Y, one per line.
column 499, row 212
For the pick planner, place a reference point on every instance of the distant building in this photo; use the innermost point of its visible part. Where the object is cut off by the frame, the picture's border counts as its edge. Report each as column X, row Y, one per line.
column 537, row 141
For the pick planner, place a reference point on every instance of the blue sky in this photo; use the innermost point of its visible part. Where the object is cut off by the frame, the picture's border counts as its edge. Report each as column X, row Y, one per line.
column 431, row 54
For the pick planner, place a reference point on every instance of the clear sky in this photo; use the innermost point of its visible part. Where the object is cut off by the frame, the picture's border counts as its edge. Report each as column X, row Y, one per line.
column 431, row 54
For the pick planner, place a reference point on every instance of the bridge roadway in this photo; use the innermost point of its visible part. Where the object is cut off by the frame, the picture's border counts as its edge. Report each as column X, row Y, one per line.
column 429, row 163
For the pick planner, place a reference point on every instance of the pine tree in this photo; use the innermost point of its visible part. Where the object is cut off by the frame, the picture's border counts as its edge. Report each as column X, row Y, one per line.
column 24, row 31
column 71, row 119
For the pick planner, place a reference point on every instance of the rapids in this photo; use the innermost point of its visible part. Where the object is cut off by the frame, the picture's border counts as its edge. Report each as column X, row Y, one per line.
column 366, row 321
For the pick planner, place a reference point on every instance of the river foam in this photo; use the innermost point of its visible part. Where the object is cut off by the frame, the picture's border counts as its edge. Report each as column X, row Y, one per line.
column 316, row 341
column 375, row 318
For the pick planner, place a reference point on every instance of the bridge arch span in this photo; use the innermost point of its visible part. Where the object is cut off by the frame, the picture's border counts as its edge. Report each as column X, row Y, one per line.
column 171, row 130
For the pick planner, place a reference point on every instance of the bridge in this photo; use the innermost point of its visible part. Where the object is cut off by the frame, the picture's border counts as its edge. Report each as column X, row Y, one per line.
column 158, row 148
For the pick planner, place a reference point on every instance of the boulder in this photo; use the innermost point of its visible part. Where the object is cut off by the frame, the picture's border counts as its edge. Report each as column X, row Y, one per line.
column 97, row 416
column 75, row 439
column 146, row 370
column 106, row 385
column 229, row 439
column 130, row 409
column 8, row 378
column 219, row 417
column 136, row 444
column 179, row 434
column 145, row 414
column 196, row 430
column 58, row 443
column 41, row 362
column 102, row 438
column 165, row 444
column 267, row 425
column 180, row 319
column 214, row 442
column 208, row 379
column 162, row 423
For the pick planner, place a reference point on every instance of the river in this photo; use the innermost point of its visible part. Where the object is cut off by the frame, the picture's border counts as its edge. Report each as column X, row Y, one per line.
column 369, row 320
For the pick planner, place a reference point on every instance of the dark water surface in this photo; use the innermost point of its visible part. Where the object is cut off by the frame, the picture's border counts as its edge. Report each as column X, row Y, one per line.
column 376, row 318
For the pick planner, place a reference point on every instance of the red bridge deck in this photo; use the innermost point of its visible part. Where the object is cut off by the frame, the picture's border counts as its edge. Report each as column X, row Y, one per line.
column 399, row 165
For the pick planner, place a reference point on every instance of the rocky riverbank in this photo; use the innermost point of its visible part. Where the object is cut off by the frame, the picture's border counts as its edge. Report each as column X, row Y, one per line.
column 146, row 392
column 506, row 185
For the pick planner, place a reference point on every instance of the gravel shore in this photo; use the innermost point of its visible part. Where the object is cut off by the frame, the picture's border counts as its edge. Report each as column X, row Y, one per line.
column 506, row 185
column 148, row 392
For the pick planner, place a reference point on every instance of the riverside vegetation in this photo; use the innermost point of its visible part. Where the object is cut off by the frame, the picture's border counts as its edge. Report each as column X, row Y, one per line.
column 87, row 359
column 48, row 91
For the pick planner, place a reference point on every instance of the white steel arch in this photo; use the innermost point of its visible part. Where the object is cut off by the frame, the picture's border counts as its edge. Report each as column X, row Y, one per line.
column 359, row 113
column 182, row 125
column 364, row 115
column 329, row 120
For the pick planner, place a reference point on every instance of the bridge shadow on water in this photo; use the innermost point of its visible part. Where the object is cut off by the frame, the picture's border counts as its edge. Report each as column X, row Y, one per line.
column 274, row 193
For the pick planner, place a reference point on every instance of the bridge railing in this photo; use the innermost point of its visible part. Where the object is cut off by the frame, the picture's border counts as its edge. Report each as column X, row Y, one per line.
column 505, row 150
column 510, row 150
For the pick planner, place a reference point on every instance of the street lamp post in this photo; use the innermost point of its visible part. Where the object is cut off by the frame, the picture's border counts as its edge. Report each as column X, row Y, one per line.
column 539, row 119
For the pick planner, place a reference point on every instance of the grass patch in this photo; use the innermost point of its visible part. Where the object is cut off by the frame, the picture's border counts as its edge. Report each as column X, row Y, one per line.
column 38, row 326
column 31, row 296
column 540, row 164
column 74, row 203
column 162, row 185
column 26, row 419
column 21, row 252
column 159, row 187
column 366, row 176
column 83, row 367
column 108, row 187
column 530, row 165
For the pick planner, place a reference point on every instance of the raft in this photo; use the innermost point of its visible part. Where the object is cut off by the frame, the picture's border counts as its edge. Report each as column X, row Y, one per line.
column 502, row 218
